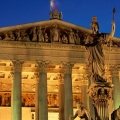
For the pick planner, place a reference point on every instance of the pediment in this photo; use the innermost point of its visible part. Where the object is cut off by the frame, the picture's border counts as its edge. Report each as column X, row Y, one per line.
column 49, row 31
column 45, row 31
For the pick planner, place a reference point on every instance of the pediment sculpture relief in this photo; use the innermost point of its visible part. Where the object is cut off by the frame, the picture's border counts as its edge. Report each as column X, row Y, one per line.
column 46, row 34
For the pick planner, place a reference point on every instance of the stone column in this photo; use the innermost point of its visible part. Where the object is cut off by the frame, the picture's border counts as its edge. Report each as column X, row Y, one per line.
column 84, row 86
column 43, row 103
column 68, row 108
column 91, row 107
column 84, row 89
column 16, row 91
column 61, row 97
column 37, row 97
column 116, row 88
column 11, row 77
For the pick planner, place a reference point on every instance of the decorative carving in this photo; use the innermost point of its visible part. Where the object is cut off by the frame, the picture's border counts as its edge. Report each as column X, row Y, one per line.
column 5, row 87
column 100, row 90
column 94, row 44
column 34, row 34
column 54, row 34
column 76, row 98
column 5, row 99
column 61, row 79
column 40, row 35
column 18, row 35
column 46, row 38
column 114, row 70
column 42, row 65
column 55, row 14
column 17, row 65
column 116, row 114
column 94, row 25
column 64, row 39
column 28, row 100
column 71, row 37
column 77, row 38
column 7, row 37
column 28, row 87
column 76, row 89
column 82, row 112
column 101, row 93
column 67, row 67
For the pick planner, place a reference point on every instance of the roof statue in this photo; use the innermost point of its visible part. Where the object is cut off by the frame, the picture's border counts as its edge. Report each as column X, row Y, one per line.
column 55, row 14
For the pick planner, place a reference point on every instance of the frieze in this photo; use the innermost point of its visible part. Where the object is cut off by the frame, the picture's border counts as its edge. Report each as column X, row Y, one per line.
column 5, row 87
column 28, row 99
column 30, row 88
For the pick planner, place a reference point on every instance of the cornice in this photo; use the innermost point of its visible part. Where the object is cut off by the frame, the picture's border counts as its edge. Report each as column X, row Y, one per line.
column 27, row 45
column 17, row 44
column 112, row 49
column 45, row 23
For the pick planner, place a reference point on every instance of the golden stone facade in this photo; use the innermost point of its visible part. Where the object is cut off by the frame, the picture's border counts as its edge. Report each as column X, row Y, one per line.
column 46, row 48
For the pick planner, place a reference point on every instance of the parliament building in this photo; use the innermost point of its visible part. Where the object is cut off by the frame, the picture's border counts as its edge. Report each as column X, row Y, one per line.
column 44, row 70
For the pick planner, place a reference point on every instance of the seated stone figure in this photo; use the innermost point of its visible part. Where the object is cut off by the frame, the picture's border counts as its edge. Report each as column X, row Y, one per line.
column 82, row 112
column 116, row 114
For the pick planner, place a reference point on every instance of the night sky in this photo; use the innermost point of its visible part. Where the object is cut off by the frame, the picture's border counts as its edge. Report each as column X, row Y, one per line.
column 79, row 12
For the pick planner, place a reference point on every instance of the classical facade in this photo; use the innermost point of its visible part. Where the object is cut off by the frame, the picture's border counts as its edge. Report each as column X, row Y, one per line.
column 44, row 69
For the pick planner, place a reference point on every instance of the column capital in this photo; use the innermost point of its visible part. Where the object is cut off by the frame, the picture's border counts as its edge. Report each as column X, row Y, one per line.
column 114, row 70
column 67, row 66
column 42, row 66
column 17, row 65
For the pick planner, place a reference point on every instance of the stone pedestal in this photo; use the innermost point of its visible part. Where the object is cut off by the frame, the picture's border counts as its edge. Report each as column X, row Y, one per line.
column 101, row 93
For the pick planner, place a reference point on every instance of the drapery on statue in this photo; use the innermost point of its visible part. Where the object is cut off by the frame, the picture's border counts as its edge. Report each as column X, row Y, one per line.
column 116, row 114
column 82, row 112
column 94, row 43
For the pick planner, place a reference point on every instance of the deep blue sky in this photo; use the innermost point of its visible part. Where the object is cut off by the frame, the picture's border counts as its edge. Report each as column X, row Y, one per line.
column 80, row 12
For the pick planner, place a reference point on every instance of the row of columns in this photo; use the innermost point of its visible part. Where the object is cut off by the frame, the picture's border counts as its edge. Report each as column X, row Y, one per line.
column 65, row 92
column 41, row 108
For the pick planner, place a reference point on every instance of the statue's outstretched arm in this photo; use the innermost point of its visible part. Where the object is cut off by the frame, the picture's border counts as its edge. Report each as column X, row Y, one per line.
column 109, row 37
column 113, row 29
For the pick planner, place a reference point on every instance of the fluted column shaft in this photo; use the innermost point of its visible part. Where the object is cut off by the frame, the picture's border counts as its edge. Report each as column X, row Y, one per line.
column 37, row 98
column 68, row 108
column 16, row 91
column 61, row 97
column 84, row 89
column 43, row 104
column 116, row 89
